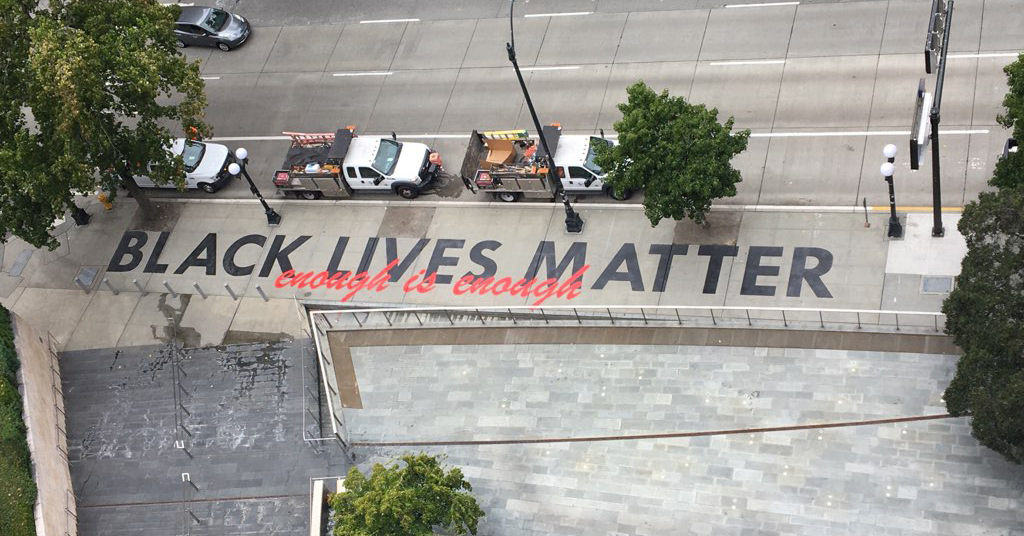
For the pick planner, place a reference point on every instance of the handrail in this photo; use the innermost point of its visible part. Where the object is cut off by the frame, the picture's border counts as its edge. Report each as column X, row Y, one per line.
column 636, row 307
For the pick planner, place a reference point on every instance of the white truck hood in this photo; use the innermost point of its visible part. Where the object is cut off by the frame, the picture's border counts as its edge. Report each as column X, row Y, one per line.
column 410, row 161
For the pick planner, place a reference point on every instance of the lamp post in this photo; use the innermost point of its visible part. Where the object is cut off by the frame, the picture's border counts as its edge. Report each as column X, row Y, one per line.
column 895, row 229
column 273, row 218
column 573, row 221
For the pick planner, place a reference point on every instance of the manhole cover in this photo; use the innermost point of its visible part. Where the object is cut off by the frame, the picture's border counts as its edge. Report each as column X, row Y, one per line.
column 936, row 284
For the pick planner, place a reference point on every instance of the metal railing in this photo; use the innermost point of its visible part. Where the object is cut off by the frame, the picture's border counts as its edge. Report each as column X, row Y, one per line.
column 322, row 375
column 873, row 320
column 60, row 418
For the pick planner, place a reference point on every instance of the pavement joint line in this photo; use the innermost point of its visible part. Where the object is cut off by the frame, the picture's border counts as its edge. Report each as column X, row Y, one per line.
column 557, row 68
column 366, row 73
column 766, row 4
column 384, row 21
column 210, row 500
column 597, row 206
column 210, row 77
column 669, row 435
column 567, row 14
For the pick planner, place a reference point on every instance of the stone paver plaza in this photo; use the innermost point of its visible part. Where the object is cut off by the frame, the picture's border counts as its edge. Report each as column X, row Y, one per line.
column 927, row 477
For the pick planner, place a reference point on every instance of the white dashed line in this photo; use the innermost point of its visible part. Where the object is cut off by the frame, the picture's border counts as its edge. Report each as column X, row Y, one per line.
column 573, row 14
column 985, row 55
column 559, row 68
column 210, row 77
column 367, row 73
column 770, row 4
column 748, row 62
column 383, row 21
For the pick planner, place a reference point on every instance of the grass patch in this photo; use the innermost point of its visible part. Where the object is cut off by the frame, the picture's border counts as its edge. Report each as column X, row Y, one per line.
column 17, row 489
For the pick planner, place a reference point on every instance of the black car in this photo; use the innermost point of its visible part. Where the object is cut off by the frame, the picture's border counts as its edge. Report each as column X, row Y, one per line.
column 212, row 27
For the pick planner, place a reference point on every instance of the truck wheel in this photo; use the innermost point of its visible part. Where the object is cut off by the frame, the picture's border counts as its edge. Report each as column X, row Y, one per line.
column 207, row 187
column 507, row 197
column 311, row 196
column 626, row 194
column 407, row 192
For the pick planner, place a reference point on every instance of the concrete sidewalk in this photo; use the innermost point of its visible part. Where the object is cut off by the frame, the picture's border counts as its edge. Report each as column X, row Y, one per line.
column 206, row 267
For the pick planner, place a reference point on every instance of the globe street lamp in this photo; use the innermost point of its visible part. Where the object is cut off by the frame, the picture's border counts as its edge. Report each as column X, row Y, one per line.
column 573, row 221
column 895, row 229
column 234, row 168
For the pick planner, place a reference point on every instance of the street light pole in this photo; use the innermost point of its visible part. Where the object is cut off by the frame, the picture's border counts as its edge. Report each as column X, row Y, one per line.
column 273, row 218
column 573, row 221
column 895, row 228
column 937, row 228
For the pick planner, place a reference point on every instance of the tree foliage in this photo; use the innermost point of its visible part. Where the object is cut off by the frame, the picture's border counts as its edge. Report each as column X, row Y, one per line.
column 17, row 489
column 1013, row 101
column 87, row 92
column 985, row 315
column 677, row 152
column 409, row 500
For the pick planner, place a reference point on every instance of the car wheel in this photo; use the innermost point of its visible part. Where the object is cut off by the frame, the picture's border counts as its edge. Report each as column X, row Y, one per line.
column 310, row 196
column 207, row 187
column 626, row 194
column 181, row 44
column 507, row 197
column 223, row 46
column 407, row 192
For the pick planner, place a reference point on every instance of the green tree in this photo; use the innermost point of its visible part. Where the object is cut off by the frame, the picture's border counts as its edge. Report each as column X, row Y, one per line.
column 1013, row 101
column 88, row 90
column 406, row 501
column 677, row 152
column 985, row 315
column 17, row 489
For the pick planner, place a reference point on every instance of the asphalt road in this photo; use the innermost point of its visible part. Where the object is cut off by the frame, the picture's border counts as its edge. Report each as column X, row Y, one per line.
column 823, row 86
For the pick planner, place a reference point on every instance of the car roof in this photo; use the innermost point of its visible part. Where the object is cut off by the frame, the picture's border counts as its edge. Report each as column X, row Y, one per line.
column 193, row 14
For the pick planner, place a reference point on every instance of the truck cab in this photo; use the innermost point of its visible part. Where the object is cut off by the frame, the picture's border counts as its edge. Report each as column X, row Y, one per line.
column 336, row 165
column 575, row 165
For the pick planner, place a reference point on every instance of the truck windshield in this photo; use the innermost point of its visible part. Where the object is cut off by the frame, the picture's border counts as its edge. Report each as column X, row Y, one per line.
column 591, row 153
column 193, row 154
column 387, row 156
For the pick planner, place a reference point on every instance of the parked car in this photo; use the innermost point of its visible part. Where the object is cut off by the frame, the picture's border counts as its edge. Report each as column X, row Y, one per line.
column 211, row 27
column 206, row 166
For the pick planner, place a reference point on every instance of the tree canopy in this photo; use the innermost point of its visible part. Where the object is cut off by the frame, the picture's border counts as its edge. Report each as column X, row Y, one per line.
column 87, row 92
column 677, row 152
column 406, row 500
column 1013, row 102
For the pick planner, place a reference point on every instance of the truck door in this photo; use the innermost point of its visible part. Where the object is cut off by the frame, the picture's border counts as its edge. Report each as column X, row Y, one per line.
column 367, row 176
column 578, row 177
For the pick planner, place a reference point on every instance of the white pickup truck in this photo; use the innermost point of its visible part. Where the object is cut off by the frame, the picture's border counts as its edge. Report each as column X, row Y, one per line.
column 336, row 165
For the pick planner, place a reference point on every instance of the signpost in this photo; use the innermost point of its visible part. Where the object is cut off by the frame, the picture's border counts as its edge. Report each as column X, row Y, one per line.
column 935, row 48
column 919, row 128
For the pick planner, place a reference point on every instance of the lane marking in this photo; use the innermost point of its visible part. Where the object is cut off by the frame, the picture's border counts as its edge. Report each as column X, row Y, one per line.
column 861, row 133
column 559, row 68
column 210, row 77
column 428, row 135
column 768, row 4
column 367, row 73
column 986, row 55
column 383, row 21
column 572, row 14
column 748, row 62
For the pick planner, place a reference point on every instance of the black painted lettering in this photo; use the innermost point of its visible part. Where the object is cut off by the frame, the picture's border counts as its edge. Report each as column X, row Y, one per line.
column 391, row 249
column 339, row 251
column 755, row 269
column 476, row 254
column 545, row 254
column 279, row 254
column 153, row 266
column 131, row 244
column 205, row 255
column 665, row 252
column 626, row 255
column 371, row 247
column 438, row 258
column 229, row 255
column 799, row 272
column 716, row 253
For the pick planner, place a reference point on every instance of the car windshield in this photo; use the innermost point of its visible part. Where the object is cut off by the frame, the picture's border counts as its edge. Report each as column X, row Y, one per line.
column 193, row 154
column 387, row 156
column 591, row 153
column 215, row 20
